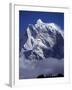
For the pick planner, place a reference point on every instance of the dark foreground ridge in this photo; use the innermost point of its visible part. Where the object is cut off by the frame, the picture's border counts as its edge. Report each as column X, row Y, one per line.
column 50, row 76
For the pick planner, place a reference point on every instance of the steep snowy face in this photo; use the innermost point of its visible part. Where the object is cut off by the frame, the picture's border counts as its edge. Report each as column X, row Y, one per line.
column 44, row 40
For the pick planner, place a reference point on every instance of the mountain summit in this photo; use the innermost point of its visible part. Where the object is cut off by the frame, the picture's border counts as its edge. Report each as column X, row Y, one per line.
column 43, row 40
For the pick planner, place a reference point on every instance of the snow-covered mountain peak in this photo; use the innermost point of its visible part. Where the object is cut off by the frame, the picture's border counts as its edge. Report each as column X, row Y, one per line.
column 44, row 40
column 42, row 26
column 39, row 24
column 39, row 21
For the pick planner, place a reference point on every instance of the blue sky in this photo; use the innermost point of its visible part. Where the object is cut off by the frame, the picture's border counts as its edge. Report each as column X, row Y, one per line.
column 30, row 17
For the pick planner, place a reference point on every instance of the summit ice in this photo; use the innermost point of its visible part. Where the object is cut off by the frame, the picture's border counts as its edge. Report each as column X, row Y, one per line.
column 39, row 21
